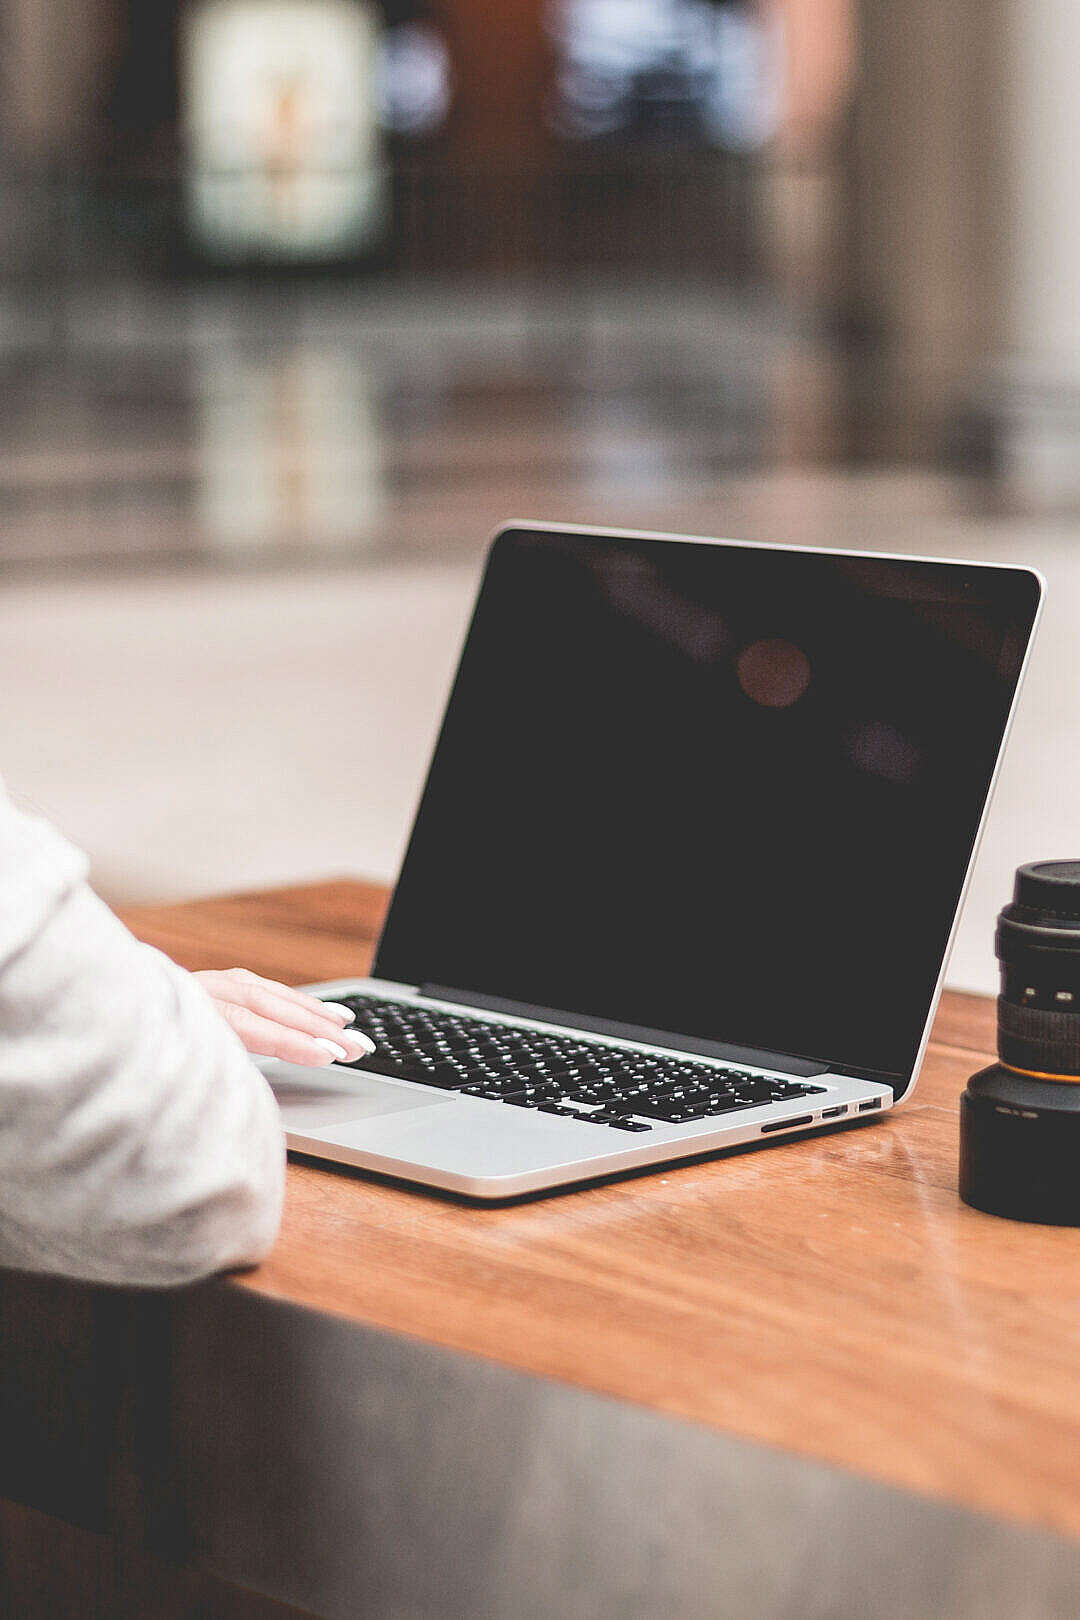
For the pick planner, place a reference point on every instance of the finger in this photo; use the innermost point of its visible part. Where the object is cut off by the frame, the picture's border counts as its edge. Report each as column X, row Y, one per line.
column 341, row 1015
column 312, row 1019
column 266, row 1038
column 262, row 996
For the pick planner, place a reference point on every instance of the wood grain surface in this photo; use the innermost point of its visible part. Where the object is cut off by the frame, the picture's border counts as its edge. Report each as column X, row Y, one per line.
column 830, row 1296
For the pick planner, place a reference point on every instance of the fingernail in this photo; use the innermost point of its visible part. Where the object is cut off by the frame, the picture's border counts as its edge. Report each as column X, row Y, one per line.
column 342, row 1012
column 364, row 1042
column 335, row 1051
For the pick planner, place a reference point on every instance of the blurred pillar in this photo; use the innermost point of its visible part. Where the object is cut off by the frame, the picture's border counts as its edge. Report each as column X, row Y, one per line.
column 502, row 70
column 53, row 58
column 52, row 62
column 1037, row 396
column 800, row 180
column 923, row 281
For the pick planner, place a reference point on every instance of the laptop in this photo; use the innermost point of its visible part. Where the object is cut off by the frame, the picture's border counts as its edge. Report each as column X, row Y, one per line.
column 688, row 862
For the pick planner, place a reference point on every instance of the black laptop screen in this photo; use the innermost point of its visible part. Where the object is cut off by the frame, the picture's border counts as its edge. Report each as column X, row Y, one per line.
column 719, row 790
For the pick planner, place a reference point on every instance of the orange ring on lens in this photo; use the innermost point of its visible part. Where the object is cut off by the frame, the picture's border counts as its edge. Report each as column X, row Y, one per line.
column 1037, row 1074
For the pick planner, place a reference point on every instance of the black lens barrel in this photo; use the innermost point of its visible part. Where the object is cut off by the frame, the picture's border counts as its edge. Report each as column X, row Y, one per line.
column 1037, row 1042
column 1038, row 946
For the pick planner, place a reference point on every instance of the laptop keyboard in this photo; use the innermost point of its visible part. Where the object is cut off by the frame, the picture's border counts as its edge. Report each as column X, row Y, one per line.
column 553, row 1073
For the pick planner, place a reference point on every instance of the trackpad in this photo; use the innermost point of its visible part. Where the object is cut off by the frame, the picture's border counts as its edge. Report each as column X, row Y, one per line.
column 312, row 1100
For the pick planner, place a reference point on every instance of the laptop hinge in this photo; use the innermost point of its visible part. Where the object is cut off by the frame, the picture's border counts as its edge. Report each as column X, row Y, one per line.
column 752, row 1057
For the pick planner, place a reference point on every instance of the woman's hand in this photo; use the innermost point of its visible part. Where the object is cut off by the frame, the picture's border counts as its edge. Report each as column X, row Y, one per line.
column 274, row 1021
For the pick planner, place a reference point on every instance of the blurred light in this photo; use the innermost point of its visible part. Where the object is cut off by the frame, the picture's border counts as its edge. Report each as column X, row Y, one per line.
column 701, row 70
column 878, row 747
column 414, row 80
column 745, row 106
column 773, row 673
column 278, row 110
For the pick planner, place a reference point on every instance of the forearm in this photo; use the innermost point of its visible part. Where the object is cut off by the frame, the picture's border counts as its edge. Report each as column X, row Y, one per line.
column 138, row 1143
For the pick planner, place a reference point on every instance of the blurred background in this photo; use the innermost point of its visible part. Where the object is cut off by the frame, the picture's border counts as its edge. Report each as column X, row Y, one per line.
column 300, row 298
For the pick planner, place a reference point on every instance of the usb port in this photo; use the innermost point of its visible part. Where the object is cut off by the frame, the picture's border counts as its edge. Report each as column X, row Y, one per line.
column 834, row 1113
column 786, row 1124
column 864, row 1108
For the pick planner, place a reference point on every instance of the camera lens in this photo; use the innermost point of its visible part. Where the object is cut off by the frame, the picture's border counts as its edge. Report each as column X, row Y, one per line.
column 1020, row 1118
column 1038, row 946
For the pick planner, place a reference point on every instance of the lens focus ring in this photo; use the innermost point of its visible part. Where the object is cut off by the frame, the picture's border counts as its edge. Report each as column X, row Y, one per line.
column 1038, row 1040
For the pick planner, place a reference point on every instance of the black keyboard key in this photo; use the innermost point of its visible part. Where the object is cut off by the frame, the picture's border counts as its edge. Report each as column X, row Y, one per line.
column 661, row 1107
column 595, row 1094
column 755, row 1089
column 629, row 1125
column 383, row 1063
column 496, row 1092
column 532, row 1096
column 671, row 1111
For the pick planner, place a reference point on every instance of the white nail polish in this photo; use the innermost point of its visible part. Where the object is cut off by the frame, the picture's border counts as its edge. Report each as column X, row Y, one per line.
column 346, row 1012
column 364, row 1042
column 335, row 1051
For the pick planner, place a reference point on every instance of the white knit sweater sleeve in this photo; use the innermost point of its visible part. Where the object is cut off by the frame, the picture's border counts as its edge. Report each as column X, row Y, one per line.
column 138, row 1142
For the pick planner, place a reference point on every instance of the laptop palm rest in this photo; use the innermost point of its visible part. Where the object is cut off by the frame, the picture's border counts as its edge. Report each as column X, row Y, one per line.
column 313, row 1100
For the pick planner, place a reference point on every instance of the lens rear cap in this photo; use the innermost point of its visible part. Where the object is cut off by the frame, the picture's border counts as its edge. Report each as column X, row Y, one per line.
column 1020, row 1147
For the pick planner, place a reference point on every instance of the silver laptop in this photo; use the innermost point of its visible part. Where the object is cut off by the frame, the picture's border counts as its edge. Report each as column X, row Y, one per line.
column 688, row 862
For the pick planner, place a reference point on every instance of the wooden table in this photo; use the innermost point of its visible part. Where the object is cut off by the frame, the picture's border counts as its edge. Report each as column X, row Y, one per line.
column 830, row 1297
